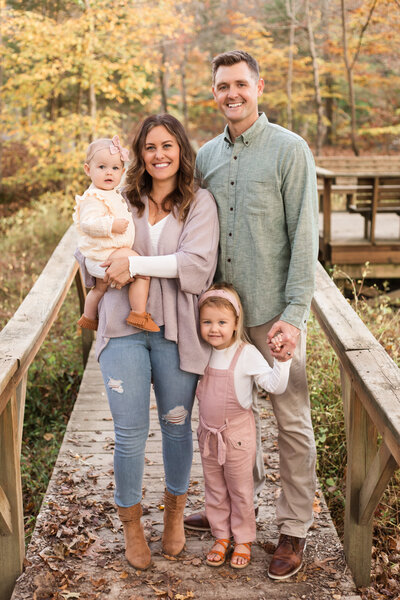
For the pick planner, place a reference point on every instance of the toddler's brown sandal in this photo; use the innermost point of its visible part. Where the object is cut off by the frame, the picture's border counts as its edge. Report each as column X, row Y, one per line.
column 245, row 555
column 226, row 544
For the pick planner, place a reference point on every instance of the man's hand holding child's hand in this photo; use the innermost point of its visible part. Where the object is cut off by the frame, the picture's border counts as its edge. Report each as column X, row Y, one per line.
column 282, row 340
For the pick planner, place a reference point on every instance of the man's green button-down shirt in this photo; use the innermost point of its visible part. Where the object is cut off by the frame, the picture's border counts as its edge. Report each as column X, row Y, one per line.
column 264, row 183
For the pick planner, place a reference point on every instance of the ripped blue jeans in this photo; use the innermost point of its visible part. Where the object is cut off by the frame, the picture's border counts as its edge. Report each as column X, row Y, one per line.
column 127, row 365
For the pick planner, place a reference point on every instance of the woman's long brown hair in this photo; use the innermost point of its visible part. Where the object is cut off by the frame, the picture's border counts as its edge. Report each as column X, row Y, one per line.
column 139, row 182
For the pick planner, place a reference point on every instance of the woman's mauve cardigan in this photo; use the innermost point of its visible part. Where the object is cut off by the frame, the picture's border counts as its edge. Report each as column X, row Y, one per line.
column 172, row 302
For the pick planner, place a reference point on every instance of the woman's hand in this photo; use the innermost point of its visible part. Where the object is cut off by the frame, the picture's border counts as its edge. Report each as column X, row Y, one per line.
column 283, row 345
column 117, row 272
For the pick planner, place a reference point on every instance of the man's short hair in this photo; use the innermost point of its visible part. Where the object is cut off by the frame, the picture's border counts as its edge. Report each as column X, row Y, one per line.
column 227, row 59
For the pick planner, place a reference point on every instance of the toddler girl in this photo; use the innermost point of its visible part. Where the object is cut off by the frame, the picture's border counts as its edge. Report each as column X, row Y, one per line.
column 226, row 433
column 106, row 229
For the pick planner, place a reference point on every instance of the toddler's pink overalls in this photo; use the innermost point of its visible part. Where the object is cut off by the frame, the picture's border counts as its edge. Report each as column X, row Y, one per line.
column 227, row 442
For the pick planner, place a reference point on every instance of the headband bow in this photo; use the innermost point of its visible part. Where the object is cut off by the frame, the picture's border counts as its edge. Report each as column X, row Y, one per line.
column 115, row 147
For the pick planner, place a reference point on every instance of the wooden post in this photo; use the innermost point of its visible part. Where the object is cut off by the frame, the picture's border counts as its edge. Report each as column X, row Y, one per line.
column 87, row 334
column 326, row 209
column 361, row 448
column 374, row 207
column 12, row 543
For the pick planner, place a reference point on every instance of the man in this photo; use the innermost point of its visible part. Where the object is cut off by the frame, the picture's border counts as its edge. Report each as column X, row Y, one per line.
column 263, row 179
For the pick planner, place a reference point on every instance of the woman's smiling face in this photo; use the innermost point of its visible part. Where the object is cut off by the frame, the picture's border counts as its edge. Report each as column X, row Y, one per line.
column 161, row 155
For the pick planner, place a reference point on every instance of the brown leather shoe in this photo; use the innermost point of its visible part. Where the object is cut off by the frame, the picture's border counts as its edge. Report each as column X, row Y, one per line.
column 199, row 522
column 288, row 557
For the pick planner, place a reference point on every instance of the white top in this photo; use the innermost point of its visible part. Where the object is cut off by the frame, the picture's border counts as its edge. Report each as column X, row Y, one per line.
column 155, row 266
column 251, row 368
column 155, row 233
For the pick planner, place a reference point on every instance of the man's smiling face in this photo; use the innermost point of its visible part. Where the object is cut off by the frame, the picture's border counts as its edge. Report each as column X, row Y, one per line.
column 236, row 90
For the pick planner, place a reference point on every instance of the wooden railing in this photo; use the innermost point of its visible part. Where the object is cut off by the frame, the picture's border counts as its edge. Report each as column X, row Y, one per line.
column 20, row 341
column 370, row 387
column 371, row 401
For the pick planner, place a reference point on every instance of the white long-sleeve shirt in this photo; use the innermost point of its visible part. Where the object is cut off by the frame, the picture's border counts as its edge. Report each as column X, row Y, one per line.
column 155, row 266
column 252, row 368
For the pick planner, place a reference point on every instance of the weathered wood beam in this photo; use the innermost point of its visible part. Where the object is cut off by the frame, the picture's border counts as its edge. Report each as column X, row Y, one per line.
column 371, row 398
column 5, row 514
column 375, row 483
column 376, row 379
column 12, row 546
column 360, row 451
column 326, row 210
column 24, row 333
column 20, row 340
column 343, row 328
column 87, row 335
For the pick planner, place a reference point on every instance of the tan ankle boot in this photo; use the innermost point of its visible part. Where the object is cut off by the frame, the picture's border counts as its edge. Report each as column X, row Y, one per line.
column 137, row 551
column 174, row 534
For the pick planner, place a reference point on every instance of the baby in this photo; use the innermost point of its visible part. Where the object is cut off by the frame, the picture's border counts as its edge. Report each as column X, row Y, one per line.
column 105, row 227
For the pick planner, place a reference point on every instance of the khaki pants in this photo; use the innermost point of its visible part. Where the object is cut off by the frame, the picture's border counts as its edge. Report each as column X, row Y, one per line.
column 297, row 453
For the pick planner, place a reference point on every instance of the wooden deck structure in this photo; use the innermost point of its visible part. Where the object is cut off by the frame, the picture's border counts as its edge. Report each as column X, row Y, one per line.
column 77, row 548
column 373, row 196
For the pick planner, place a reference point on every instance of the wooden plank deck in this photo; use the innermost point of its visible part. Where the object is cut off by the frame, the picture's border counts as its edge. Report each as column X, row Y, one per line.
column 347, row 227
column 77, row 547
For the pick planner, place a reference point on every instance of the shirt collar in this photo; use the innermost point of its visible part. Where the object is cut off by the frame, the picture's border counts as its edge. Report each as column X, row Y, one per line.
column 250, row 133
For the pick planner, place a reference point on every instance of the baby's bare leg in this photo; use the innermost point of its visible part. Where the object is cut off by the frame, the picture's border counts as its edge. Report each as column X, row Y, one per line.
column 93, row 298
column 138, row 294
column 138, row 289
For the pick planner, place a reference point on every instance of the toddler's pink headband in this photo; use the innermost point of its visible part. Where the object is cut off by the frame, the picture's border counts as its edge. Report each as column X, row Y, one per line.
column 220, row 294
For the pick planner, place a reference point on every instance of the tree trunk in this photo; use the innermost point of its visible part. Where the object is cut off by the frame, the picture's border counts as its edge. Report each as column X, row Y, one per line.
column 163, row 80
column 92, row 91
column 329, row 82
column 349, row 71
column 318, row 101
column 291, row 13
column 183, row 89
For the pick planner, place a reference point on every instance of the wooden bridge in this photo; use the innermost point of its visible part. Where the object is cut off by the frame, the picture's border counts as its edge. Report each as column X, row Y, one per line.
column 77, row 548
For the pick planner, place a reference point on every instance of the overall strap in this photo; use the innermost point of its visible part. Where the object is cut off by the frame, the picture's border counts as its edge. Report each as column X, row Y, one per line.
column 236, row 357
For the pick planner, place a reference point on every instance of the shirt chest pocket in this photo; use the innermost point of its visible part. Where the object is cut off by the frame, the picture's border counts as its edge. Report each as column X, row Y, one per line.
column 260, row 196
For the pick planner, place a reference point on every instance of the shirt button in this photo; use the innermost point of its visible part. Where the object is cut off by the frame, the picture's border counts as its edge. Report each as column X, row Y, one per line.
column 232, row 183
column 229, row 234
column 228, row 260
column 235, row 157
column 231, row 208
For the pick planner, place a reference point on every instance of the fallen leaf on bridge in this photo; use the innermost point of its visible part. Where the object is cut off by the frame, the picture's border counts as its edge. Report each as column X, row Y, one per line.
column 321, row 564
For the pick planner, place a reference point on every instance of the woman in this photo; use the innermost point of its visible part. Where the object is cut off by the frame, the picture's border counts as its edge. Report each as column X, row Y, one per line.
column 176, row 237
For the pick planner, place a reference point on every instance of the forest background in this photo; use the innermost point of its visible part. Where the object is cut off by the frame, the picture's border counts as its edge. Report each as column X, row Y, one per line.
column 73, row 70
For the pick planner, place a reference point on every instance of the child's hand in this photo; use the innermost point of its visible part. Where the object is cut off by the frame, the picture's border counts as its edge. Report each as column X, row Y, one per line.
column 276, row 343
column 119, row 225
column 283, row 348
